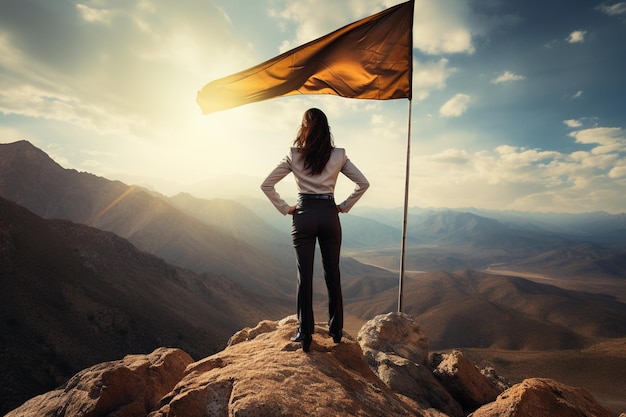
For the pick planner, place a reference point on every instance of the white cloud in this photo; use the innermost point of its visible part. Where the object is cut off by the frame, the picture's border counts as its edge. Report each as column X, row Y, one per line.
column 507, row 76
column 439, row 27
column 550, row 44
column 618, row 171
column 456, row 157
column 608, row 139
column 429, row 76
column 613, row 9
column 572, row 123
column 312, row 19
column 577, row 36
column 456, row 106
column 94, row 15
column 442, row 27
column 513, row 177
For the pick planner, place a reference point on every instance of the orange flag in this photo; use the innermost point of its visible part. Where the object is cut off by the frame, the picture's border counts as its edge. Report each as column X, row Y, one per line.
column 368, row 59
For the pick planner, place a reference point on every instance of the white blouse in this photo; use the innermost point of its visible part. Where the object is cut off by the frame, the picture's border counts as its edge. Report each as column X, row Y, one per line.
column 324, row 183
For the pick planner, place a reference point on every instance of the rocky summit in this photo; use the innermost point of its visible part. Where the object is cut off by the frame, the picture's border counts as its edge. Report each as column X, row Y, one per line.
column 386, row 371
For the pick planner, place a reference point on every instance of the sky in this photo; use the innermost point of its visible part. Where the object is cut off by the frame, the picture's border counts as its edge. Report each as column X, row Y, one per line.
column 517, row 104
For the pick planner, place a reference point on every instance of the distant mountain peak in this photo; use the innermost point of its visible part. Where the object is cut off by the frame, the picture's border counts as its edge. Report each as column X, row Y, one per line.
column 25, row 151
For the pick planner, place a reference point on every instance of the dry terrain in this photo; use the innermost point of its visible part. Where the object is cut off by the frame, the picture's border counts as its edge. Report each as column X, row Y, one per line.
column 599, row 370
column 609, row 286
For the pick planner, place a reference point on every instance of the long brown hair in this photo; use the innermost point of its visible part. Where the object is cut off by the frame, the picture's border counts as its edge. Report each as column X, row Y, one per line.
column 314, row 140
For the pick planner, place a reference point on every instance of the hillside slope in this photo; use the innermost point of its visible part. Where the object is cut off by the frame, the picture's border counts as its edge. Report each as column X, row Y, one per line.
column 480, row 310
column 72, row 296
column 30, row 178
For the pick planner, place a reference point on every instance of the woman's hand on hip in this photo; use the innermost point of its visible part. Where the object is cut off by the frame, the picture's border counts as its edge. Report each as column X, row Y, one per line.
column 292, row 210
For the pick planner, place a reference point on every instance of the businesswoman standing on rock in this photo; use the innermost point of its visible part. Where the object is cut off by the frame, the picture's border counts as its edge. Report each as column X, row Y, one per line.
column 316, row 164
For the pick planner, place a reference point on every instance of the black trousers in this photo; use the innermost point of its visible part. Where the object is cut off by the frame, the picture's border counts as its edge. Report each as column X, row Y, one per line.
column 317, row 220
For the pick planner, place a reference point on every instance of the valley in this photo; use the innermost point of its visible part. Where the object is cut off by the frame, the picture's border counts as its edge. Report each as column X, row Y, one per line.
column 610, row 286
column 613, row 286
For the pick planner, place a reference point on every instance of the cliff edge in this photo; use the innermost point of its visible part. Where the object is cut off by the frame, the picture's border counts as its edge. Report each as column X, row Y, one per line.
column 387, row 370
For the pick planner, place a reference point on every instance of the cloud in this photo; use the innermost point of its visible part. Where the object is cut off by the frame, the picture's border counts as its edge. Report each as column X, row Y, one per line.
column 456, row 106
column 429, row 76
column 578, row 94
column 618, row 171
column 126, row 68
column 454, row 157
column 442, row 27
column 613, row 9
column 312, row 20
column 507, row 76
column 513, row 177
column 94, row 15
column 608, row 139
column 550, row 44
column 577, row 36
column 439, row 27
column 572, row 123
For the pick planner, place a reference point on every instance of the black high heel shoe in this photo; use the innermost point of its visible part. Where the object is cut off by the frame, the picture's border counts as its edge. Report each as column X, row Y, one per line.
column 306, row 340
column 336, row 336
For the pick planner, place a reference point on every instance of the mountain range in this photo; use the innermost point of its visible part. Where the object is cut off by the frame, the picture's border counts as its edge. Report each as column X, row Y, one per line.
column 531, row 242
column 92, row 269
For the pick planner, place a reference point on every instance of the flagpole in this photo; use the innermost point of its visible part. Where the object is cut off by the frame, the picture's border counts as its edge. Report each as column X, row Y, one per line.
column 406, row 208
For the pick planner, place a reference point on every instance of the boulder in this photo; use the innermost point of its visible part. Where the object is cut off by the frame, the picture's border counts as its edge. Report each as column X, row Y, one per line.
column 467, row 384
column 129, row 387
column 263, row 373
column 542, row 397
column 396, row 349
column 246, row 334
column 394, row 333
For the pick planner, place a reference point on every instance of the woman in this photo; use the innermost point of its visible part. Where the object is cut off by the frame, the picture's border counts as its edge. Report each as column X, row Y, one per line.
column 316, row 164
